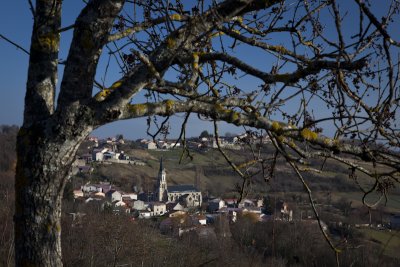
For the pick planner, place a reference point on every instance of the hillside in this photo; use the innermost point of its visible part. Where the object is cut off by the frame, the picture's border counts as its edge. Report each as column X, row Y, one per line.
column 337, row 196
column 217, row 177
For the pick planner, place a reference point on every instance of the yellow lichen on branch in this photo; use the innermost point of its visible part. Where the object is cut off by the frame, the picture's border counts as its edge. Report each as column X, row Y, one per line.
column 280, row 49
column 169, row 104
column 236, row 31
column 100, row 96
column 171, row 42
column 105, row 93
column 137, row 109
column 238, row 19
column 196, row 60
column 175, row 17
column 228, row 114
column 235, row 116
column 281, row 139
column 219, row 108
column 49, row 42
column 116, row 85
column 276, row 127
column 309, row 135
column 215, row 34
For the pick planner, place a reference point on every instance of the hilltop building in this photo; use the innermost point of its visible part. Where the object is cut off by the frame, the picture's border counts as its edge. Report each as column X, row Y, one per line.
column 188, row 195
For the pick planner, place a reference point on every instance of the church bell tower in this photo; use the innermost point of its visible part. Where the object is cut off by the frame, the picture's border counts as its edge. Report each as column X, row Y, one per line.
column 162, row 183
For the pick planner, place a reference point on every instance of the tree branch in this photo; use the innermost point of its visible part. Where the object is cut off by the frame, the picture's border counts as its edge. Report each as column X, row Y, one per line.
column 380, row 27
column 14, row 44
column 43, row 61
column 91, row 31
column 312, row 67
column 163, row 56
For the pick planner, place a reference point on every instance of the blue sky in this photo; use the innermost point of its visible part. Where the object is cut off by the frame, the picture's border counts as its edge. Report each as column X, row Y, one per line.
column 15, row 24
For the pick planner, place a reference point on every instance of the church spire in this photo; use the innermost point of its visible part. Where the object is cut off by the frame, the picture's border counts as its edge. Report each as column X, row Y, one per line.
column 162, row 182
column 161, row 165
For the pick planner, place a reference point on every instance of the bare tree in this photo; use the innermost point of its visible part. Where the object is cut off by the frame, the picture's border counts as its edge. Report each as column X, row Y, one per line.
column 290, row 68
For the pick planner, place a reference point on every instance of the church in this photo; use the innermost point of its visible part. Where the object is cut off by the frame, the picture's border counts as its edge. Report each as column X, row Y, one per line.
column 188, row 195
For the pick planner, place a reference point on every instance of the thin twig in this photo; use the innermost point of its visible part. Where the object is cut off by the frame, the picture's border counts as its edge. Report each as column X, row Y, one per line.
column 14, row 44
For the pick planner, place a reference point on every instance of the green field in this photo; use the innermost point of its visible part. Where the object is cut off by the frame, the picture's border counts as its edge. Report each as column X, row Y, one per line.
column 389, row 241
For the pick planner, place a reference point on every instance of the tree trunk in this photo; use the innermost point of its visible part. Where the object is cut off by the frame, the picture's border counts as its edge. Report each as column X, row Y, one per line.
column 43, row 165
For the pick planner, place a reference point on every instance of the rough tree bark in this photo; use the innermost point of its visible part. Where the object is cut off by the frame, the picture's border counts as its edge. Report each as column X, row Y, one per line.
column 48, row 139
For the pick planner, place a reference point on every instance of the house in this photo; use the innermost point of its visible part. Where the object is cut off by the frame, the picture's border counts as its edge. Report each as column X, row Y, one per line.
column 132, row 196
column 149, row 145
column 286, row 212
column 79, row 162
column 78, row 193
column 245, row 203
column 111, row 140
column 99, row 195
column 145, row 214
column 215, row 204
column 175, row 144
column 114, row 195
column 91, row 188
column 178, row 207
column 204, row 139
column 93, row 139
column 256, row 210
column 230, row 212
column 119, row 203
column 98, row 154
column 231, row 202
column 87, row 157
column 259, row 202
column 109, row 155
column 158, row 208
column 105, row 187
column 85, row 169
column 139, row 205
column 177, row 213
column 162, row 144
column 202, row 219
column 222, row 142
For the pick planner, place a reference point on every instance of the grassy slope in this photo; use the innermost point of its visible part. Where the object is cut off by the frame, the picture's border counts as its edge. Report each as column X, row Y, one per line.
column 217, row 177
column 389, row 241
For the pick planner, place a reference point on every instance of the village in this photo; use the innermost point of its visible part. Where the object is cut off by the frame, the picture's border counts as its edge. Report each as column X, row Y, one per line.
column 182, row 208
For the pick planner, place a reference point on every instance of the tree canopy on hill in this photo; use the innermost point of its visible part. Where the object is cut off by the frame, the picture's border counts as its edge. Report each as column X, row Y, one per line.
column 204, row 134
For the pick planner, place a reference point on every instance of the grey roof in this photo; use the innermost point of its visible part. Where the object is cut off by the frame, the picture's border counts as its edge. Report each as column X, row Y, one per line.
column 182, row 188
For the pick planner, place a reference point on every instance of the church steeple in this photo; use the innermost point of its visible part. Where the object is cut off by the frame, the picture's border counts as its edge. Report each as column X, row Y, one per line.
column 161, row 166
column 162, row 182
